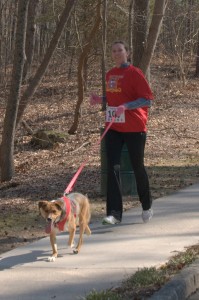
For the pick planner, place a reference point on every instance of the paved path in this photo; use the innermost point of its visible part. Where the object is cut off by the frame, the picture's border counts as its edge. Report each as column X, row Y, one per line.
column 109, row 255
column 195, row 296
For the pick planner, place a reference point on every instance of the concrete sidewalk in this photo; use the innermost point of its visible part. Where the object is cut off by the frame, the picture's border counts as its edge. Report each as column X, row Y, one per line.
column 107, row 257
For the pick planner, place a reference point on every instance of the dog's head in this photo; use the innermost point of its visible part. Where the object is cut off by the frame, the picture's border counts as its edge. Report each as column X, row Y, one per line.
column 51, row 212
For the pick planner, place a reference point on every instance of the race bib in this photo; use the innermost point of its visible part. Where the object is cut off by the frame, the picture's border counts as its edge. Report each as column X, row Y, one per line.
column 110, row 113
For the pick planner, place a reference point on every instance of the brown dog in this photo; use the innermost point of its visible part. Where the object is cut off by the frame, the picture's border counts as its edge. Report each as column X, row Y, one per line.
column 66, row 213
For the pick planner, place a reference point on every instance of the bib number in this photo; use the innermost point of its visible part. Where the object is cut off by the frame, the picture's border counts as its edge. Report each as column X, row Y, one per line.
column 110, row 113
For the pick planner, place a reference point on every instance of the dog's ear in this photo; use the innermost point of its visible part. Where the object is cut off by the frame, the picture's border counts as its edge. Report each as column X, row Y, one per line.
column 42, row 204
column 59, row 204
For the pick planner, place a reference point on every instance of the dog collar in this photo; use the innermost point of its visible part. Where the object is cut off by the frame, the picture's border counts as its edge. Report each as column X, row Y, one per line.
column 63, row 221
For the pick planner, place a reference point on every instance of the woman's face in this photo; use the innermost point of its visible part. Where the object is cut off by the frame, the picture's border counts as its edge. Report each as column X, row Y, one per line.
column 119, row 54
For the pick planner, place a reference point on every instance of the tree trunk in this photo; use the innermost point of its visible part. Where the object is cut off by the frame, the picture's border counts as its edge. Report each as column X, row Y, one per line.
column 7, row 145
column 130, row 30
column 197, row 58
column 104, row 42
column 80, row 78
column 158, row 13
column 8, row 13
column 140, row 29
column 189, row 25
column 30, row 38
column 42, row 69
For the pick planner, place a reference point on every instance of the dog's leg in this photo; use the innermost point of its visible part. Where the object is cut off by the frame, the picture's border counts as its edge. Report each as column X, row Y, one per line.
column 72, row 230
column 82, row 227
column 87, row 230
column 81, row 232
column 84, row 218
column 54, row 247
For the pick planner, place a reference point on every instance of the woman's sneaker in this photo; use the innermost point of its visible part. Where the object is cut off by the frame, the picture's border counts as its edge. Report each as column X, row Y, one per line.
column 147, row 215
column 110, row 220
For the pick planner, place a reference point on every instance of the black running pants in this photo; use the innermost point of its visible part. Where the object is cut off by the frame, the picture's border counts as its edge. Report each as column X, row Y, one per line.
column 135, row 142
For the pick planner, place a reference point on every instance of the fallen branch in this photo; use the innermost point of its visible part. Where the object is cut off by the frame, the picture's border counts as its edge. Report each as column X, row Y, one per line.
column 84, row 144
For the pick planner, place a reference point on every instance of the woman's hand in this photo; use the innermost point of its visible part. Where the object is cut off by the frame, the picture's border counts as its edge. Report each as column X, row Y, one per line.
column 120, row 110
column 94, row 99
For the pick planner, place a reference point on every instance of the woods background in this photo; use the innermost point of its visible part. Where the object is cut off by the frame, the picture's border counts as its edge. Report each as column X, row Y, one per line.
column 65, row 43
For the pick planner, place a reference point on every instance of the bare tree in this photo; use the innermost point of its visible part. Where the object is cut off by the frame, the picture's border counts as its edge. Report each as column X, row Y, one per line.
column 197, row 58
column 104, row 43
column 8, row 13
column 16, row 106
column 42, row 68
column 81, row 64
column 30, row 37
column 130, row 29
column 158, row 13
column 7, row 145
column 140, row 29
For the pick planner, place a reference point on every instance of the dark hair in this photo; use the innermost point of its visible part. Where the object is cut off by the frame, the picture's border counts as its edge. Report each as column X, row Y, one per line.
column 123, row 43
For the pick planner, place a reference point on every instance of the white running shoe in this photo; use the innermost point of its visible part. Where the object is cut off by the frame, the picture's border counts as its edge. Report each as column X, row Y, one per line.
column 147, row 215
column 110, row 220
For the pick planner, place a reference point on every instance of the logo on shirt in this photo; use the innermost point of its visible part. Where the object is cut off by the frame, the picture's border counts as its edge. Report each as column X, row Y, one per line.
column 113, row 84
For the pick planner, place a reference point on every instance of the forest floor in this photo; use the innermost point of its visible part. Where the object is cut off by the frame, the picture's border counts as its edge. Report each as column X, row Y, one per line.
column 171, row 156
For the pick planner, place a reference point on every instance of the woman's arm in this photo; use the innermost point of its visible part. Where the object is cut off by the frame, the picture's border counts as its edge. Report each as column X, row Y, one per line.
column 140, row 102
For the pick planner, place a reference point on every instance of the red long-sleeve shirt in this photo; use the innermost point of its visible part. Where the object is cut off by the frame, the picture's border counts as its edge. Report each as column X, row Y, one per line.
column 123, row 85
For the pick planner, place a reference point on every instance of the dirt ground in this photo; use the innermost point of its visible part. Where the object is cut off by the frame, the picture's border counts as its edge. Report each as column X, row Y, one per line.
column 171, row 157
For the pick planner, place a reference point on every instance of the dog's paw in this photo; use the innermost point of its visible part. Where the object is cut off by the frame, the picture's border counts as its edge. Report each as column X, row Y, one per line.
column 75, row 251
column 51, row 258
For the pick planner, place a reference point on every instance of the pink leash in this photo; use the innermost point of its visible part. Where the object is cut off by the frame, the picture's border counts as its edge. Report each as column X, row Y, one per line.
column 72, row 182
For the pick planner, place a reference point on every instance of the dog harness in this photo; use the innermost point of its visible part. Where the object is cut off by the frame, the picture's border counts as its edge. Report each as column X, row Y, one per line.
column 62, row 222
